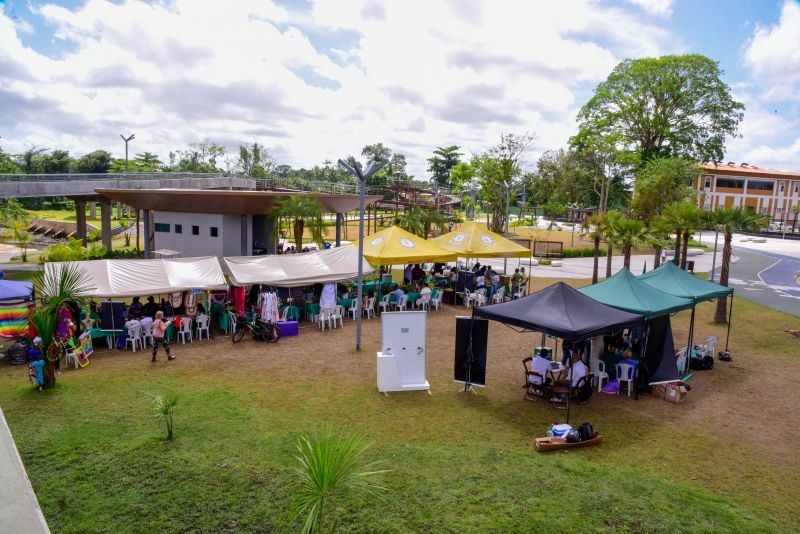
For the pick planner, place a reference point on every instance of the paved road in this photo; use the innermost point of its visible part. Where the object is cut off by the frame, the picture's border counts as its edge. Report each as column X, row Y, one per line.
column 767, row 278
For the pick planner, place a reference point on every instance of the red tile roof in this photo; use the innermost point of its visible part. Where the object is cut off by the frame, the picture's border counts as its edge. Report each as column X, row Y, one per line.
column 732, row 169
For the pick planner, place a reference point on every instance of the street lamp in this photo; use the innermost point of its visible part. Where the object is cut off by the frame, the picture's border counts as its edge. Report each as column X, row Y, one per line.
column 127, row 140
column 355, row 170
column 507, row 186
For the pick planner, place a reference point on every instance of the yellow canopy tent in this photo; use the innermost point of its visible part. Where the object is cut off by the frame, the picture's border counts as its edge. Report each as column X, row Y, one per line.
column 395, row 246
column 473, row 240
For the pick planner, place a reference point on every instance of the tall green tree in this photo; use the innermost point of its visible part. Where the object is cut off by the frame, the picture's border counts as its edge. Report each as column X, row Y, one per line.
column 255, row 161
column 299, row 212
column 728, row 221
column 662, row 181
column 657, row 236
column 444, row 159
column 7, row 163
column 99, row 161
column 671, row 106
column 594, row 229
column 628, row 234
column 608, row 224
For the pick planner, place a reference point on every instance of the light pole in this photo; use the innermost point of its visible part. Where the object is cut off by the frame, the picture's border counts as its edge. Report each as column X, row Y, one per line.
column 507, row 186
column 127, row 140
column 355, row 170
column 714, row 258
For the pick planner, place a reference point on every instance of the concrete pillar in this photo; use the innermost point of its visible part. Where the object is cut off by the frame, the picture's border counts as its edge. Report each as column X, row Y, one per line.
column 93, row 210
column 269, row 243
column 105, row 222
column 80, row 219
column 243, row 219
column 338, row 229
column 146, row 228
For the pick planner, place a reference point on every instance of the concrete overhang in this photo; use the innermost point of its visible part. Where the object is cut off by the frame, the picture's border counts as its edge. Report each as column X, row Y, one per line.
column 233, row 202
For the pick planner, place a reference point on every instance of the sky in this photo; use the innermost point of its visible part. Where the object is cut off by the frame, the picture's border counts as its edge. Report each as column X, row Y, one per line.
column 318, row 80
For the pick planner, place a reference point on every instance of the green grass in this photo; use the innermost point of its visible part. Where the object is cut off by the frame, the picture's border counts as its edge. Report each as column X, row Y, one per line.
column 20, row 276
column 458, row 463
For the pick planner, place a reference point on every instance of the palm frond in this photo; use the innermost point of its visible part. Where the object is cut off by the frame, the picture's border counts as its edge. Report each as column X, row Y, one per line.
column 67, row 282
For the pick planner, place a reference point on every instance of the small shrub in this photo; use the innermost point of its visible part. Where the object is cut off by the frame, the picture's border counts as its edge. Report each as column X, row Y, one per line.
column 585, row 252
column 544, row 261
column 94, row 236
column 163, row 408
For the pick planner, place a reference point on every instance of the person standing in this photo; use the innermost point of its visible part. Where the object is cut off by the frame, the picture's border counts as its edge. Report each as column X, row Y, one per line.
column 159, row 335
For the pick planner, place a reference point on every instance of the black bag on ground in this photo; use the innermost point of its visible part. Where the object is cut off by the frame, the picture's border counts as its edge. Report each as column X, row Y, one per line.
column 18, row 353
column 573, row 436
column 708, row 362
column 586, row 431
column 585, row 392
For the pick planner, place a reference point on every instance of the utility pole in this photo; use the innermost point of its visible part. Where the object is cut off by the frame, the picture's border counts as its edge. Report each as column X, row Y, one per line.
column 507, row 185
column 127, row 140
column 355, row 170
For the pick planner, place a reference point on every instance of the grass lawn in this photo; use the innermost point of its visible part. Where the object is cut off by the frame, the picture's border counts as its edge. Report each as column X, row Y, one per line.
column 725, row 461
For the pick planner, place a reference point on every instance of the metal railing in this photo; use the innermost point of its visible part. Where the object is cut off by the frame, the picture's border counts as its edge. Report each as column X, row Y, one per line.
column 79, row 177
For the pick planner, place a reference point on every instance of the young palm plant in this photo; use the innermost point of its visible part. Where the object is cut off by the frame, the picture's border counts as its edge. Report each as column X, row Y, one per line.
column 728, row 221
column 297, row 213
column 609, row 227
column 593, row 229
column 628, row 233
column 22, row 238
column 125, row 224
column 329, row 465
column 411, row 220
column 55, row 288
column 163, row 408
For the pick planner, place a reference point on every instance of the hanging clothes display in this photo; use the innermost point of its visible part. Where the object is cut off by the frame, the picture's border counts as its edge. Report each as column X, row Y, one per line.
column 218, row 297
column 191, row 304
column 269, row 307
column 239, row 300
column 176, row 299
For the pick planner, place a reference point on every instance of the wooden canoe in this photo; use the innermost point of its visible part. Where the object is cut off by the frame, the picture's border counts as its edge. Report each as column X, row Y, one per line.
column 552, row 444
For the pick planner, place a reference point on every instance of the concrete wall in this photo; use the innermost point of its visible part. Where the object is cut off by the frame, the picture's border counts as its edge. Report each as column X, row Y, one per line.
column 227, row 243
column 68, row 187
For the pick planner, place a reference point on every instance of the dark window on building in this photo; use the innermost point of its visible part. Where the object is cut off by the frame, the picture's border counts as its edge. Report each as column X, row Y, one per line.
column 729, row 182
column 214, row 231
column 195, row 230
column 162, row 227
column 178, row 228
column 760, row 186
column 708, row 181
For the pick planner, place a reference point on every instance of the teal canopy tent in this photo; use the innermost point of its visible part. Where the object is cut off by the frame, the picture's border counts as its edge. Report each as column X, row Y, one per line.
column 625, row 291
column 671, row 279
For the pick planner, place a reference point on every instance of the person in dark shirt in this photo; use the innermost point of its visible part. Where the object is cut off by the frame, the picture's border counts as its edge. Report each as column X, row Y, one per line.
column 150, row 309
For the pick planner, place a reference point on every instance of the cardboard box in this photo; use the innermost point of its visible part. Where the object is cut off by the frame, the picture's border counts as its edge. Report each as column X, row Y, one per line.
column 659, row 391
column 675, row 393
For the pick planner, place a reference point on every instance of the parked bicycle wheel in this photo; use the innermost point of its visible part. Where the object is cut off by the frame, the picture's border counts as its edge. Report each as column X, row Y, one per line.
column 238, row 334
column 272, row 333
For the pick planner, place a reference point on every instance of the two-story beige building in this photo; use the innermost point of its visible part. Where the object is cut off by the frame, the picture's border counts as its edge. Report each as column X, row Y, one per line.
column 769, row 192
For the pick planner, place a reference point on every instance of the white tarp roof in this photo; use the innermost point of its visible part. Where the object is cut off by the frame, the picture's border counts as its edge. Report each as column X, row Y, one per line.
column 130, row 278
column 295, row 270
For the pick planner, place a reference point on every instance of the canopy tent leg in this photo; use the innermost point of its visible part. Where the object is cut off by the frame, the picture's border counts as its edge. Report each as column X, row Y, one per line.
column 730, row 317
column 689, row 340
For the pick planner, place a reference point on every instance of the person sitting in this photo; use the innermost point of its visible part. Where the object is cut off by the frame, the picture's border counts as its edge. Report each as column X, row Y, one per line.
column 407, row 274
column 145, row 322
column 480, row 280
column 424, row 295
column 397, row 293
column 541, row 366
column 166, row 307
column 453, row 276
column 135, row 309
column 150, row 308
column 131, row 322
column 578, row 370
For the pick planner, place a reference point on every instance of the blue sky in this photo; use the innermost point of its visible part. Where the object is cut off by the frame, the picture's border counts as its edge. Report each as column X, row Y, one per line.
column 318, row 80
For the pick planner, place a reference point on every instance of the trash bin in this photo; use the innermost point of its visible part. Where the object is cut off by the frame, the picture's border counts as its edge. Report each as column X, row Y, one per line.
column 690, row 266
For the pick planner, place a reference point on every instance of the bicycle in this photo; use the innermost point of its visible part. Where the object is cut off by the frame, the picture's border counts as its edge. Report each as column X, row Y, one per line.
column 260, row 330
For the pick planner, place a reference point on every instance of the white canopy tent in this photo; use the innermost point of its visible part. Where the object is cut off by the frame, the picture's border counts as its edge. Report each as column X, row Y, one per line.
column 131, row 278
column 296, row 270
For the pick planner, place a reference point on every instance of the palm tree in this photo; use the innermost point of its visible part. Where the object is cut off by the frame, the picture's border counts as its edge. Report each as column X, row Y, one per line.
column 431, row 218
column 411, row 221
column 125, row 224
column 55, row 288
column 592, row 227
column 297, row 213
column 328, row 464
column 657, row 236
column 728, row 221
column 608, row 225
column 628, row 233
column 22, row 238
column 691, row 221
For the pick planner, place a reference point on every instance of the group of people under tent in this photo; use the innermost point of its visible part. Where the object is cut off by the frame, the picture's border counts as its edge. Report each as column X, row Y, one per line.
column 620, row 347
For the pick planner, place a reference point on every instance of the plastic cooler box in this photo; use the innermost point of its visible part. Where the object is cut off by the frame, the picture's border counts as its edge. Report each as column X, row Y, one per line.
column 288, row 328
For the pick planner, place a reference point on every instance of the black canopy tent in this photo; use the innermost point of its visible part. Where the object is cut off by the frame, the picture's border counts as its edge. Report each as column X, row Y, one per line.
column 562, row 311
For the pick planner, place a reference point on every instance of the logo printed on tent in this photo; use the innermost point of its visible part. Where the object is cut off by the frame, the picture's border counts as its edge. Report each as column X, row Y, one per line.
column 375, row 242
column 406, row 242
column 458, row 238
column 486, row 239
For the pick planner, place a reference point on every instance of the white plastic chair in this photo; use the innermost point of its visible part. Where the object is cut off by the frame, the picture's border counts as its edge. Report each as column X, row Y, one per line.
column 69, row 357
column 231, row 323
column 186, row 330
column 203, row 326
column 682, row 360
column 498, row 296
column 338, row 315
column 519, row 294
column 353, row 309
column 325, row 316
column 424, row 302
column 468, row 298
column 436, row 300
column 625, row 373
column 598, row 372
column 385, row 304
column 370, row 309
column 402, row 303
column 709, row 345
column 134, row 337
column 147, row 333
column 479, row 297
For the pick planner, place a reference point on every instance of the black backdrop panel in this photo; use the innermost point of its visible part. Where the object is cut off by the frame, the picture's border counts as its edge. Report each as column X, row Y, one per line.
column 111, row 315
column 463, row 370
column 464, row 280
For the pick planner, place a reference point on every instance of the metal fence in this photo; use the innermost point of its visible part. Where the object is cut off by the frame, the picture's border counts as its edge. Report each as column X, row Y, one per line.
column 77, row 177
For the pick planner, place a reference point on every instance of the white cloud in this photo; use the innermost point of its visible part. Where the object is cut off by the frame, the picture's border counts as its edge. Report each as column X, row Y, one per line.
column 420, row 74
column 662, row 8
column 773, row 54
